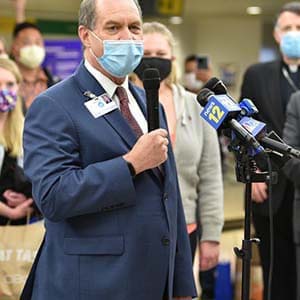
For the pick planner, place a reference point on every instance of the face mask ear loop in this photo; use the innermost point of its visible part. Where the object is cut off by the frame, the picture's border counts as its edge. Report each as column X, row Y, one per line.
column 96, row 36
column 93, row 54
column 99, row 39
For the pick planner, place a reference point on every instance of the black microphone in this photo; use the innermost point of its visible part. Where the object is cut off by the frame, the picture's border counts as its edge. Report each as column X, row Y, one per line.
column 215, row 85
column 278, row 145
column 203, row 96
column 151, row 81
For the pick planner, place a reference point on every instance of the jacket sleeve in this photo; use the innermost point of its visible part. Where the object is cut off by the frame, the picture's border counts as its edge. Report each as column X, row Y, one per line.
column 62, row 188
column 291, row 135
column 210, row 186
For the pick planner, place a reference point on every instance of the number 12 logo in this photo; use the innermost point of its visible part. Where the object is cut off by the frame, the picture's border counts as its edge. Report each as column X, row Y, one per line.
column 216, row 114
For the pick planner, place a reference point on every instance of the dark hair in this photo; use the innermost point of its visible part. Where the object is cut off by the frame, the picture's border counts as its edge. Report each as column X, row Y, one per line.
column 24, row 25
column 191, row 57
column 292, row 7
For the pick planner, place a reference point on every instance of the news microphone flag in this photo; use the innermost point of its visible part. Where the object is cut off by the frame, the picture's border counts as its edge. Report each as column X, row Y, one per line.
column 218, row 109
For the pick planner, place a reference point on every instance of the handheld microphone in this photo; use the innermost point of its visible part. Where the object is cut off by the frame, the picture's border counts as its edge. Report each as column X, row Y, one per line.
column 151, row 81
column 215, row 85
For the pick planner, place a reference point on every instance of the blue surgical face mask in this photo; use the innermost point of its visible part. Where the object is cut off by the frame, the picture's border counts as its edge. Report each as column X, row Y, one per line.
column 290, row 44
column 120, row 57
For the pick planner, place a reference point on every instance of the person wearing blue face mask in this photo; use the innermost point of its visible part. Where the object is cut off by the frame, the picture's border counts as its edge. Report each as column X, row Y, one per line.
column 106, row 186
column 270, row 85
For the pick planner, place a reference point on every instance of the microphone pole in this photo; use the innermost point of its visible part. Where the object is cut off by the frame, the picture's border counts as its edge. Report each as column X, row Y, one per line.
column 151, row 81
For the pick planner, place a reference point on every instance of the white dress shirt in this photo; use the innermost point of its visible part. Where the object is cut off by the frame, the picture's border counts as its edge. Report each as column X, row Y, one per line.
column 110, row 88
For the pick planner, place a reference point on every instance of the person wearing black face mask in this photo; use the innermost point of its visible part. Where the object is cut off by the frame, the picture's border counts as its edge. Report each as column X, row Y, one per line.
column 195, row 147
column 163, row 65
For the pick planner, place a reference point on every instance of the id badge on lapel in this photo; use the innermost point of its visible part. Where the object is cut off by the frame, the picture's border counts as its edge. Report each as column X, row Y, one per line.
column 101, row 105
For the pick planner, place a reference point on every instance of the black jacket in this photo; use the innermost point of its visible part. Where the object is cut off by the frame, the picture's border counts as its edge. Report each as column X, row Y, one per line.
column 262, row 85
column 12, row 177
column 292, row 168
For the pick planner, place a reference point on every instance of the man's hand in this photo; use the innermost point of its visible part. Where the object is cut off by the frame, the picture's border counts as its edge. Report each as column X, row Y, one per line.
column 14, row 199
column 209, row 254
column 259, row 192
column 150, row 151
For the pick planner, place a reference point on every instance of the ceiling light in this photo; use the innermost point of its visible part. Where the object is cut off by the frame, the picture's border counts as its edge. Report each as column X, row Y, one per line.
column 176, row 20
column 254, row 10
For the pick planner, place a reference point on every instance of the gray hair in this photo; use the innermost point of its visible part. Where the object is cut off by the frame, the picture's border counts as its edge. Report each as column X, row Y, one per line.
column 88, row 16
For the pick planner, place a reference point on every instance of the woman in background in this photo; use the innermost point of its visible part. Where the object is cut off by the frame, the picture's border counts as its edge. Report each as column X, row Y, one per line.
column 15, row 191
column 195, row 145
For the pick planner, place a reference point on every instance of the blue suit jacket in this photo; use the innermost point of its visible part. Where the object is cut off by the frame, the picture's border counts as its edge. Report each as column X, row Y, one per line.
column 108, row 236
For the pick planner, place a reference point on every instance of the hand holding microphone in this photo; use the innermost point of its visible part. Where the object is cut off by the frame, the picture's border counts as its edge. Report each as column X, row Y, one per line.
column 151, row 150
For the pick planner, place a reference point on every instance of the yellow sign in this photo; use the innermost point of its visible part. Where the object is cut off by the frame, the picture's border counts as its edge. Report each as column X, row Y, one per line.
column 170, row 7
column 7, row 24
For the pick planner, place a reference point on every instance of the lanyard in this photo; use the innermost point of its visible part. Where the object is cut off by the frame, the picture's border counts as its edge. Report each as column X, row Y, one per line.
column 289, row 79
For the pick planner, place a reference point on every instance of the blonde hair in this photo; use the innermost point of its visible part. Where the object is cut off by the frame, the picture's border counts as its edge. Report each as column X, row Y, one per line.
column 11, row 136
column 156, row 27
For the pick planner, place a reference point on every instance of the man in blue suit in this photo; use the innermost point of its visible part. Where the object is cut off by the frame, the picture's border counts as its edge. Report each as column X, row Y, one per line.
column 115, row 227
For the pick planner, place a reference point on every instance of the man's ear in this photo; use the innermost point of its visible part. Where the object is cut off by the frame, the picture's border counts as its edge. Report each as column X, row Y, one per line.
column 84, row 36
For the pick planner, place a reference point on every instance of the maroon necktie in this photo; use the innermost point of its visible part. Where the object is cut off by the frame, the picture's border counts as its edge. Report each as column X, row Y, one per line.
column 124, row 107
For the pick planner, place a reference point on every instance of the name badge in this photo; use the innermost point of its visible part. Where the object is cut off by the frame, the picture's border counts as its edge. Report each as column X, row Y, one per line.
column 100, row 105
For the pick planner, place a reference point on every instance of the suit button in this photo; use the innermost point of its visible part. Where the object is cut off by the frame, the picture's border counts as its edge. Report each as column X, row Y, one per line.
column 165, row 241
column 165, row 196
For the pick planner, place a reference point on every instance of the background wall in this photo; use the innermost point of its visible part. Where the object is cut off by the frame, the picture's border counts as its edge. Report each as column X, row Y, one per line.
column 227, row 40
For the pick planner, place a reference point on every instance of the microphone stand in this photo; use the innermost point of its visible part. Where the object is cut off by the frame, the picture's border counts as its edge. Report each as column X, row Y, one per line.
column 245, row 173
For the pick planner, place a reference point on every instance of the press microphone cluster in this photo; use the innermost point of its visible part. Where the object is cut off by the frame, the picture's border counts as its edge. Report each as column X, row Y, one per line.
column 151, row 81
column 221, row 111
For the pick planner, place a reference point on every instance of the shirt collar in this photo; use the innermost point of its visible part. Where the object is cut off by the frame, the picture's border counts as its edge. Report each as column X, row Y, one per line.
column 108, row 85
column 290, row 68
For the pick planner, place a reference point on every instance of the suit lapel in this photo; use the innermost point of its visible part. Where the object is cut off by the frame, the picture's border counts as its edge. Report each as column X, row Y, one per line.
column 87, row 82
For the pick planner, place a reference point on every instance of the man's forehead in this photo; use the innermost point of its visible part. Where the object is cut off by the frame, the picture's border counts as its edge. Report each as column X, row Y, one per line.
column 107, row 7
column 288, row 18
